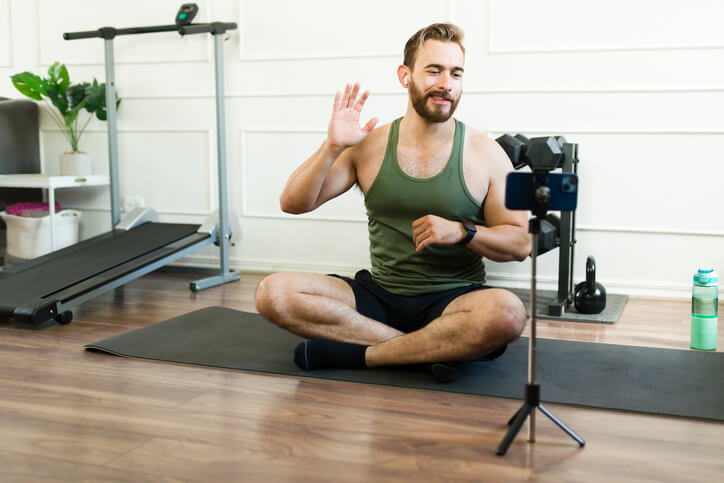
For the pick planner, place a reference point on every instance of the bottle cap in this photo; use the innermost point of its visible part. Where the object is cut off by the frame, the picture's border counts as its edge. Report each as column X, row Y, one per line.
column 706, row 276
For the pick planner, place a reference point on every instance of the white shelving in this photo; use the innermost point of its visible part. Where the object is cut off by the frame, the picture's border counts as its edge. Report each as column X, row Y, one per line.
column 51, row 183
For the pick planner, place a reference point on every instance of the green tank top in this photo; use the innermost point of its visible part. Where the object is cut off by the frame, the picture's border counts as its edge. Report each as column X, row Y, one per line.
column 395, row 200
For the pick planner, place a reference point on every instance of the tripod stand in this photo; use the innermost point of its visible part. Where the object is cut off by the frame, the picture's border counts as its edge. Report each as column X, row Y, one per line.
column 532, row 390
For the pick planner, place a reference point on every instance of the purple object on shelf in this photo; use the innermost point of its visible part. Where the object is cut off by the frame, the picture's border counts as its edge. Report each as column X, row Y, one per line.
column 19, row 208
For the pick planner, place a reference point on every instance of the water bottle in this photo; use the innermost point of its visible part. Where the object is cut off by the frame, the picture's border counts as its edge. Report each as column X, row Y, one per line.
column 704, row 309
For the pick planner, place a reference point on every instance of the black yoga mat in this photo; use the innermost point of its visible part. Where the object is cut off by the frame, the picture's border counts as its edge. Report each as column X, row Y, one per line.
column 661, row 381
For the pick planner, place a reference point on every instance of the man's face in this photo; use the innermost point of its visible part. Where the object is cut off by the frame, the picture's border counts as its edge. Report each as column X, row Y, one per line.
column 436, row 82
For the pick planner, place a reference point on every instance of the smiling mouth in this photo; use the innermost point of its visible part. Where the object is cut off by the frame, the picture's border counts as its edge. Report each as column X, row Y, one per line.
column 440, row 100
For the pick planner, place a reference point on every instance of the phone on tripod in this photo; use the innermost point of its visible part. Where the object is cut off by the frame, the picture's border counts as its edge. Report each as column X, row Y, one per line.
column 520, row 192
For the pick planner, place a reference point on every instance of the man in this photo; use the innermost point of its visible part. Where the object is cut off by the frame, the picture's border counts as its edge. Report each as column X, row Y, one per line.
column 434, row 193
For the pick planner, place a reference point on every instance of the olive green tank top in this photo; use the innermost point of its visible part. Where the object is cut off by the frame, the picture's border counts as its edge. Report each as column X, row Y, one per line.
column 396, row 199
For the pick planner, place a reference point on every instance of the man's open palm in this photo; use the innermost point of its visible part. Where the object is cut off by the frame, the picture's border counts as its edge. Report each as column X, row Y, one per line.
column 344, row 129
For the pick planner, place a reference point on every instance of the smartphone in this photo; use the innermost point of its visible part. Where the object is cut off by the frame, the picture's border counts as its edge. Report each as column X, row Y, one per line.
column 519, row 191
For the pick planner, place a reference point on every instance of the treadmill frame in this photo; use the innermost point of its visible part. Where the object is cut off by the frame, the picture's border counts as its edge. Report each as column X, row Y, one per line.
column 56, row 305
column 223, row 235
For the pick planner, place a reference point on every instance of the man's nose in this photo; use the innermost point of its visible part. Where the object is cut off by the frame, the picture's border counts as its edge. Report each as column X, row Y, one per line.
column 444, row 82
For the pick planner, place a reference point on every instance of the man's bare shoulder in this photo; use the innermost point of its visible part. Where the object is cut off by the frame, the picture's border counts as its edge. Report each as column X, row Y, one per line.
column 373, row 143
column 486, row 148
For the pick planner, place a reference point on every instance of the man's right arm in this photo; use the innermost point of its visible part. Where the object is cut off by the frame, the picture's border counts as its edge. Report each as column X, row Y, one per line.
column 330, row 171
column 326, row 174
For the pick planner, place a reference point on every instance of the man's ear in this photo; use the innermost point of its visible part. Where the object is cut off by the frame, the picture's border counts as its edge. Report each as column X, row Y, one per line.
column 403, row 74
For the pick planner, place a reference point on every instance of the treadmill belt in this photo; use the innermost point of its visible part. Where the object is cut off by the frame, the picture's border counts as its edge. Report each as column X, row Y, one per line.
column 58, row 270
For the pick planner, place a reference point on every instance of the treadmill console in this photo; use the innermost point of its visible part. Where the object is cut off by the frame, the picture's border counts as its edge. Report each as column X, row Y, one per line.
column 186, row 14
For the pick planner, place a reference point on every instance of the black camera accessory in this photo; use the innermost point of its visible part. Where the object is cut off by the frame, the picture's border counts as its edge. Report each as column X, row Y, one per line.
column 186, row 14
column 538, row 192
column 556, row 191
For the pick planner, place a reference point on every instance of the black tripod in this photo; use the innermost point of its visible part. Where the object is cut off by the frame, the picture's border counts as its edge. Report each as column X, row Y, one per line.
column 532, row 390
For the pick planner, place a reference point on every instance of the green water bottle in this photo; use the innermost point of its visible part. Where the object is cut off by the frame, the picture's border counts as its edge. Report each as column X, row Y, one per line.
column 704, row 309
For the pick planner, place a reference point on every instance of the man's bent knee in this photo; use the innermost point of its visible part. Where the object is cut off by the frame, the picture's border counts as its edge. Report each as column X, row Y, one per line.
column 512, row 316
column 277, row 298
column 505, row 319
column 271, row 296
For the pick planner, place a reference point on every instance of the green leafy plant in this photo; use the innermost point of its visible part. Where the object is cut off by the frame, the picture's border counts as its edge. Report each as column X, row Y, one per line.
column 68, row 99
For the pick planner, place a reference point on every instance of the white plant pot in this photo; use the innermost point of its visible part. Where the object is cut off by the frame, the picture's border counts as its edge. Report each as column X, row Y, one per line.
column 75, row 164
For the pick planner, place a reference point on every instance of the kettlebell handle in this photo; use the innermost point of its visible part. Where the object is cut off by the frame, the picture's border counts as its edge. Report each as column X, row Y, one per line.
column 591, row 273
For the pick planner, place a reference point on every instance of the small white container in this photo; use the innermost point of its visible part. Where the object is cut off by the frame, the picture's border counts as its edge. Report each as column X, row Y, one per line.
column 30, row 237
column 76, row 164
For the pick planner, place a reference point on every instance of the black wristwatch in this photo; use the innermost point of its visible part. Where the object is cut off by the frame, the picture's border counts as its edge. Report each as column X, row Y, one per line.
column 471, row 229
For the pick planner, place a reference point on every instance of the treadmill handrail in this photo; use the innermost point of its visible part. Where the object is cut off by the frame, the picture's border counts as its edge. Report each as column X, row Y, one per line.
column 211, row 28
column 112, row 32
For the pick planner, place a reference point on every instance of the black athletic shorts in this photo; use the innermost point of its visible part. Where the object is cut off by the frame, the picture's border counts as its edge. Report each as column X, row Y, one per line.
column 405, row 313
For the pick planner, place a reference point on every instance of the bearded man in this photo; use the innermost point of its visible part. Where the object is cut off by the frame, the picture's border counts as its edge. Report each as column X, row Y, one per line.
column 434, row 190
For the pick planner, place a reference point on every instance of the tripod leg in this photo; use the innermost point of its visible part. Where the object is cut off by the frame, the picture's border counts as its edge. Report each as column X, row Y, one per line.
column 562, row 426
column 510, row 421
column 520, row 416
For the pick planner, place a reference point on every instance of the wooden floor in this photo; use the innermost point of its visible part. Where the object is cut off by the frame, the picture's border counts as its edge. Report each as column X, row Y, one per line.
column 70, row 415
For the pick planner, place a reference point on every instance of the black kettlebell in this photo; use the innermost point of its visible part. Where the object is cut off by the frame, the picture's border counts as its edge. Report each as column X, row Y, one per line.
column 590, row 297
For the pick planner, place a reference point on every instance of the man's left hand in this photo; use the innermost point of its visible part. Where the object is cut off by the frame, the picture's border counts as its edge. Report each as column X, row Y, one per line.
column 434, row 229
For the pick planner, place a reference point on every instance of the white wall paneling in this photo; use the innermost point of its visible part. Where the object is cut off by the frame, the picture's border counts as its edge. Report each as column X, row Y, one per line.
column 306, row 245
column 170, row 170
column 655, row 181
column 611, row 112
column 262, row 183
column 645, row 182
column 644, row 264
column 594, row 72
column 55, row 18
column 638, row 85
column 181, row 82
column 571, row 25
column 152, row 162
column 6, row 50
column 165, row 113
column 282, row 30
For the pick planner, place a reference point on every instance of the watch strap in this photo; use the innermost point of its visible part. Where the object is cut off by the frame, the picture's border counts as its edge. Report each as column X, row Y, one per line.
column 471, row 230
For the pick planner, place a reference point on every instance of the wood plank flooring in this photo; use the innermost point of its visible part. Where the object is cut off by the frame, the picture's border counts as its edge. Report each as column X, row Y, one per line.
column 71, row 415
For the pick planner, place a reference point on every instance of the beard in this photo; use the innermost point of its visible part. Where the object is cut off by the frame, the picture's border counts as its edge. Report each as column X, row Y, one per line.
column 436, row 113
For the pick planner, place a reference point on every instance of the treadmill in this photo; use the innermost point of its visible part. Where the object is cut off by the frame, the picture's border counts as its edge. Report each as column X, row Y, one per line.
column 48, row 287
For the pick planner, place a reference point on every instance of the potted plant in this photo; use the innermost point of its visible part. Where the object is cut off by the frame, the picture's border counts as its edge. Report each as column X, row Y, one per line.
column 65, row 102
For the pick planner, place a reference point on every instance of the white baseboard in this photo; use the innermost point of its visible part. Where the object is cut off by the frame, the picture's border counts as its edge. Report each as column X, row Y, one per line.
column 264, row 266
column 638, row 288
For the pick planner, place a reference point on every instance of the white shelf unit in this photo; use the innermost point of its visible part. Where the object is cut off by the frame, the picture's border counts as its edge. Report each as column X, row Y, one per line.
column 50, row 184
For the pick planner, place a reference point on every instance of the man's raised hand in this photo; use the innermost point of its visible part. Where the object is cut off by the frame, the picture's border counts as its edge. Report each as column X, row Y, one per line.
column 344, row 130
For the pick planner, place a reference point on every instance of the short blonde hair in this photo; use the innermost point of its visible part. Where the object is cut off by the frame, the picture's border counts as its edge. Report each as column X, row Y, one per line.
column 445, row 32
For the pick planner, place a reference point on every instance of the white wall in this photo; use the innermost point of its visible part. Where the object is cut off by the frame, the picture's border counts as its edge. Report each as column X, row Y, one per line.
column 638, row 84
